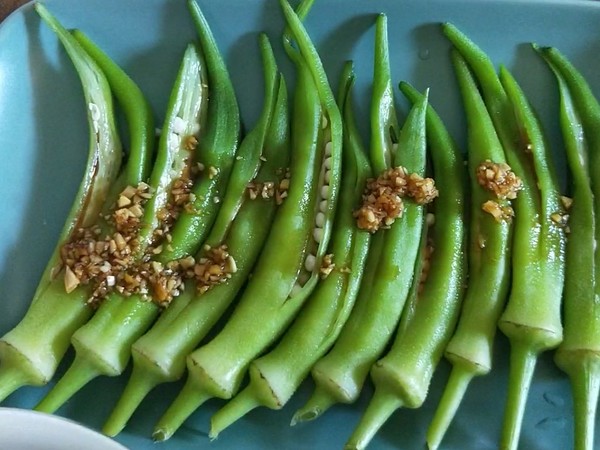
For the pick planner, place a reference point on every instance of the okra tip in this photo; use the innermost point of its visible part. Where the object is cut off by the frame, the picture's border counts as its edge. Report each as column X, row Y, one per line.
column 234, row 410
column 320, row 401
column 382, row 405
column 541, row 49
column 187, row 402
column 305, row 415
column 139, row 385
column 459, row 379
column 448, row 27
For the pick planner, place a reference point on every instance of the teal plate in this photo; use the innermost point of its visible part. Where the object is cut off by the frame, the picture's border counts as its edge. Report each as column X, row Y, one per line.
column 43, row 145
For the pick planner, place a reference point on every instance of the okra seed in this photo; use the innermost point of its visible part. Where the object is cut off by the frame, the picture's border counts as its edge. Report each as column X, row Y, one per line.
column 327, row 163
column 320, row 219
column 173, row 140
column 327, row 176
column 324, row 122
column 325, row 191
column 430, row 219
column 318, row 234
column 179, row 125
column 295, row 290
column 323, row 206
column 95, row 111
column 309, row 262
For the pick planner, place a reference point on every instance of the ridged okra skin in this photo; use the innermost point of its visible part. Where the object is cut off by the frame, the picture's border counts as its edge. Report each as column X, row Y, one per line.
column 30, row 352
column 281, row 280
column 275, row 376
column 403, row 375
column 243, row 225
column 341, row 373
column 532, row 317
column 470, row 348
column 221, row 141
column 579, row 353
column 103, row 345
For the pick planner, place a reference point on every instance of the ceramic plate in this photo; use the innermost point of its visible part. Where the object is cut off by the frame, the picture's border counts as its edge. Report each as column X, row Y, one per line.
column 43, row 145
column 30, row 430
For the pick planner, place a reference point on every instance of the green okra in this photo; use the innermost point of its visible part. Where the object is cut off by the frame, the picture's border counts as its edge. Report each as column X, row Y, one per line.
column 579, row 353
column 288, row 267
column 275, row 376
column 103, row 345
column 31, row 351
column 403, row 375
column 532, row 318
column 339, row 375
column 217, row 149
column 470, row 349
column 384, row 122
column 243, row 225
column 136, row 108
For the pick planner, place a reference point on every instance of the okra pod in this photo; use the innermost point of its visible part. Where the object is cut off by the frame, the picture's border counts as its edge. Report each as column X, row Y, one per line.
column 340, row 374
column 243, row 225
column 218, row 148
column 403, row 375
column 275, row 376
column 103, row 345
column 136, row 108
column 289, row 265
column 31, row 351
column 579, row 353
column 470, row 349
column 531, row 320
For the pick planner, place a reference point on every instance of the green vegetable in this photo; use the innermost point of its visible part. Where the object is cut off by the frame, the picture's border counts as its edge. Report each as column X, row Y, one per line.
column 403, row 375
column 288, row 268
column 217, row 149
column 31, row 351
column 339, row 375
column 470, row 349
column 531, row 320
column 243, row 225
column 275, row 377
column 579, row 353
column 140, row 119
column 103, row 345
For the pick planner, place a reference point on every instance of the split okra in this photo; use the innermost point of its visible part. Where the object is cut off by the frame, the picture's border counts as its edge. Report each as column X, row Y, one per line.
column 193, row 211
column 103, row 344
